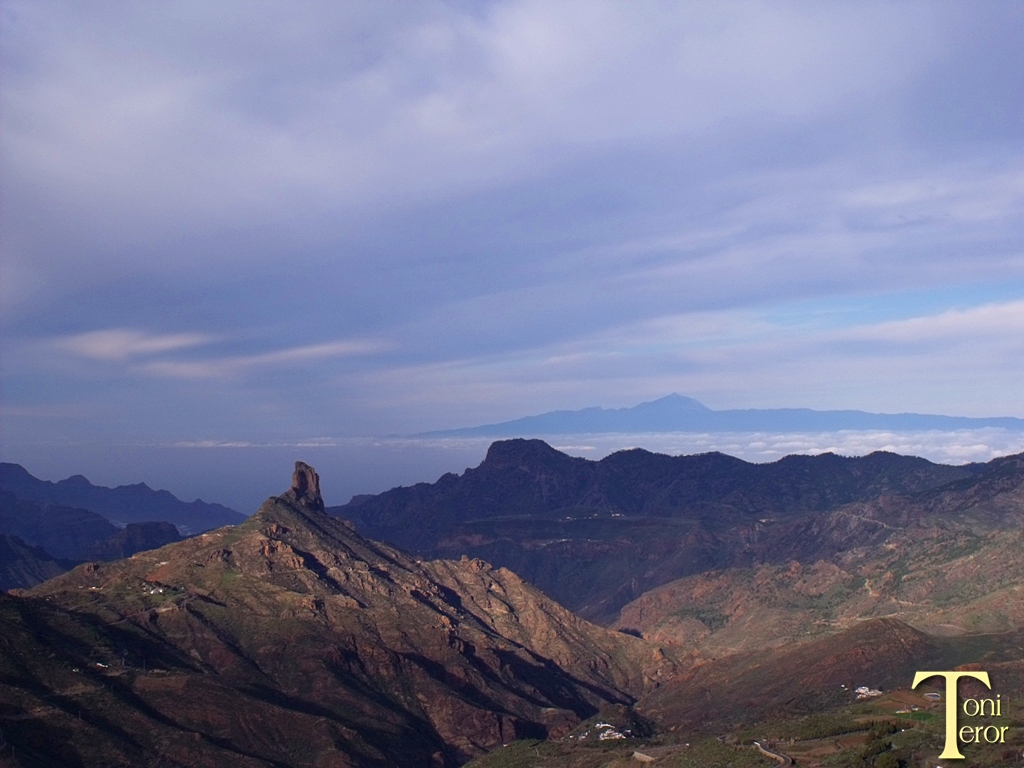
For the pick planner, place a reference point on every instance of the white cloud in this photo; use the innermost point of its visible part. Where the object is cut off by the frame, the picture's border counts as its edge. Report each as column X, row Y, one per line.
column 953, row 447
column 312, row 442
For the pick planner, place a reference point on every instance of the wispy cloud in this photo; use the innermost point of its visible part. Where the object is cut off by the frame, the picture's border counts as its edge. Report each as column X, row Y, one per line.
column 119, row 344
column 731, row 359
column 312, row 442
column 227, row 366
column 989, row 323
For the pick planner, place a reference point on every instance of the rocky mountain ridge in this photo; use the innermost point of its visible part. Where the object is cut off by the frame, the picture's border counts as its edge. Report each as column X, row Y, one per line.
column 292, row 640
column 70, row 521
column 46, row 539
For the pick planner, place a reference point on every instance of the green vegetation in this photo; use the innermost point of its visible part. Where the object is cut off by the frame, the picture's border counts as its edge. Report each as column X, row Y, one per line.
column 703, row 752
column 966, row 544
column 709, row 752
column 811, row 727
column 879, row 745
column 920, row 717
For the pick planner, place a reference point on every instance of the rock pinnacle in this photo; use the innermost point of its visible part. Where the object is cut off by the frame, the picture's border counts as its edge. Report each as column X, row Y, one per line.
column 306, row 487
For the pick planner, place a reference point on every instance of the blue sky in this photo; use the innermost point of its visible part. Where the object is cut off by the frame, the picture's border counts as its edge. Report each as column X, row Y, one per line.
column 281, row 222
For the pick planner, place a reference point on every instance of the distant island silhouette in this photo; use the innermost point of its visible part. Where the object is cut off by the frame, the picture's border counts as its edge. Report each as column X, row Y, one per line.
column 676, row 413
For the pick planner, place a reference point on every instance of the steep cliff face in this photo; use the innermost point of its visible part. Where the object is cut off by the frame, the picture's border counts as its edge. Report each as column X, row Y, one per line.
column 134, row 537
column 380, row 659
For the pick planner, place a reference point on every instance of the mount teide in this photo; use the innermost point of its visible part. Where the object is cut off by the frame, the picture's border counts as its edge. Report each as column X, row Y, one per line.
column 290, row 639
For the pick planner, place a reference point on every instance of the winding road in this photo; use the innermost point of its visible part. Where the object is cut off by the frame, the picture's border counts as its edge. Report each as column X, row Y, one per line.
column 783, row 759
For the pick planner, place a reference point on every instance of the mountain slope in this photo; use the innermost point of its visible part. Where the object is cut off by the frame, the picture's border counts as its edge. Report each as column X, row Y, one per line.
column 134, row 537
column 125, row 504
column 948, row 563
column 805, row 678
column 375, row 657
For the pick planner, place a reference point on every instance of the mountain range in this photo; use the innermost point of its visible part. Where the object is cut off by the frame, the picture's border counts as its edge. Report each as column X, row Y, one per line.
column 46, row 528
column 578, row 528
column 675, row 413
column 122, row 505
column 741, row 603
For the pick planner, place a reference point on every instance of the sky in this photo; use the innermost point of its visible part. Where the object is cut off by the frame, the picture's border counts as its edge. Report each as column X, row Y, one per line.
column 232, row 232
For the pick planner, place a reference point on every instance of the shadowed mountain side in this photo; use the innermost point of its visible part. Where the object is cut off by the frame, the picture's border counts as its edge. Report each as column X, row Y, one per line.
column 134, row 537
column 64, row 536
column 377, row 658
column 22, row 565
column 64, row 532
column 675, row 413
column 529, row 477
column 994, row 499
column 73, row 693
column 578, row 529
column 125, row 504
